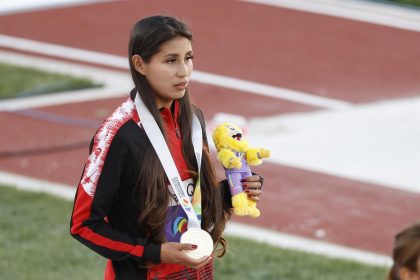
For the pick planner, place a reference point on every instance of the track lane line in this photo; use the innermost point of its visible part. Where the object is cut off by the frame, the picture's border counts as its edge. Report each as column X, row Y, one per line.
column 377, row 13
column 120, row 62
column 8, row 7
column 115, row 83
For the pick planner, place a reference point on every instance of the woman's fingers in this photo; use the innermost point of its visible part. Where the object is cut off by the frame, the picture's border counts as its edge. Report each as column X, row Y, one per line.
column 190, row 262
column 252, row 183
column 253, row 178
column 172, row 252
column 196, row 263
column 186, row 246
column 252, row 186
column 253, row 194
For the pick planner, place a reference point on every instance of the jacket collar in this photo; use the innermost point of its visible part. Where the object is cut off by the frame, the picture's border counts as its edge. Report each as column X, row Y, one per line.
column 165, row 112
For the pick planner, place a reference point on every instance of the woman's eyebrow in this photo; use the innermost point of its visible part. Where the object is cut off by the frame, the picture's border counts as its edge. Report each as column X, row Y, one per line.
column 171, row 54
column 176, row 54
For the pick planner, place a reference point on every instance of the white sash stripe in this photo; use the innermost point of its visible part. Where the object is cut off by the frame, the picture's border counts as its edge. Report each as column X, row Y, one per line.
column 158, row 142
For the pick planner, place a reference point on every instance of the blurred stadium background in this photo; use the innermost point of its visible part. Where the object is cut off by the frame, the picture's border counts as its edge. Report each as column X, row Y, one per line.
column 331, row 87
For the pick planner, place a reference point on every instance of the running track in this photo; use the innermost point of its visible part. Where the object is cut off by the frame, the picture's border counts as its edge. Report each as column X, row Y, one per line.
column 323, row 55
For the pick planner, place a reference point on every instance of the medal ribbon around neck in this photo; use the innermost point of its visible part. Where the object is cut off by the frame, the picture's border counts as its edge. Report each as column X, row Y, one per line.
column 159, row 144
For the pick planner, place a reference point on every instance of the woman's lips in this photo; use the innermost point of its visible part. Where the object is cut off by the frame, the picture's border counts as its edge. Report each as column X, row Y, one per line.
column 181, row 86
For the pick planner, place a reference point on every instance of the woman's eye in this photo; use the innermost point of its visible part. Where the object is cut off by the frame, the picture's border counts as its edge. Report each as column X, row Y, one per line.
column 189, row 57
column 171, row 60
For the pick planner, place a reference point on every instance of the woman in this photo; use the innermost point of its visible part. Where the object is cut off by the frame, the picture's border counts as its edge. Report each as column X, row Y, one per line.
column 406, row 254
column 125, row 208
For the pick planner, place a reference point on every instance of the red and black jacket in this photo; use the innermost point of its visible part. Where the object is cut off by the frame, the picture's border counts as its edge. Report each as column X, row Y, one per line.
column 105, row 215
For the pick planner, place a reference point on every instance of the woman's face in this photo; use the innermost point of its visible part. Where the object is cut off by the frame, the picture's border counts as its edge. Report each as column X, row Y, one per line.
column 168, row 71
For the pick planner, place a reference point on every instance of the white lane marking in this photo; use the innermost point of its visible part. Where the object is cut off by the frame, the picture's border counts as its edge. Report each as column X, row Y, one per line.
column 37, row 185
column 288, row 149
column 38, row 47
column 365, row 11
column 306, row 245
column 20, row 6
column 270, row 91
column 115, row 83
column 376, row 143
column 198, row 76
column 341, row 150
column 235, row 229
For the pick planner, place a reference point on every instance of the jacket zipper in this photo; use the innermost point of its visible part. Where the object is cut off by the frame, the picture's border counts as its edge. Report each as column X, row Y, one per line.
column 178, row 134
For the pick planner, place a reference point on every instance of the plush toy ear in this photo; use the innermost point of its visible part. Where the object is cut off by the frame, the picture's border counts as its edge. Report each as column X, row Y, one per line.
column 139, row 64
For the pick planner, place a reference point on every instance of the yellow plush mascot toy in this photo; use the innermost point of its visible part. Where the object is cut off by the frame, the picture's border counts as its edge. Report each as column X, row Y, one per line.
column 235, row 154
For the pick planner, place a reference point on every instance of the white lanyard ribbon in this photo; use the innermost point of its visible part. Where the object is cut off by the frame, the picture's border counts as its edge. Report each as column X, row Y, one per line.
column 158, row 142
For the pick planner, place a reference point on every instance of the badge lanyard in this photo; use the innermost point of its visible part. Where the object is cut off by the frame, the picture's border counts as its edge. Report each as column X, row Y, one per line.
column 158, row 142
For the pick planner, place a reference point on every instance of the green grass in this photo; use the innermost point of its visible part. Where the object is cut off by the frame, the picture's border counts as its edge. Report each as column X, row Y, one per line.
column 35, row 244
column 35, row 241
column 414, row 3
column 250, row 260
column 18, row 82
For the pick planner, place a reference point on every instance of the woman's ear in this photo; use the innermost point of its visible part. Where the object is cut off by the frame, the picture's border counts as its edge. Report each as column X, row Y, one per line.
column 407, row 274
column 139, row 64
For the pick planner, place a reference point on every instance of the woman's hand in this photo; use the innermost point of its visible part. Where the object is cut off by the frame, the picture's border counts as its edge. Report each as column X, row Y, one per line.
column 172, row 252
column 252, row 186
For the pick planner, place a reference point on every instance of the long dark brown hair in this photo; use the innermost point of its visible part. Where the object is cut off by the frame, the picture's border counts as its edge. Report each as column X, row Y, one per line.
column 406, row 252
column 152, row 191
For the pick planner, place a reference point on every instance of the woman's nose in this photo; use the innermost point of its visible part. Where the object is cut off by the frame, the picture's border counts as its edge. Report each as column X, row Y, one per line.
column 183, row 69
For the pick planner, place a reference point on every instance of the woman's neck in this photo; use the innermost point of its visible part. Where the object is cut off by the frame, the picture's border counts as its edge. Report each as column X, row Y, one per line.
column 164, row 104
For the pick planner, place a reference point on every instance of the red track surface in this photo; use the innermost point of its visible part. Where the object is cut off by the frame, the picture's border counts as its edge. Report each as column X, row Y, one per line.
column 323, row 55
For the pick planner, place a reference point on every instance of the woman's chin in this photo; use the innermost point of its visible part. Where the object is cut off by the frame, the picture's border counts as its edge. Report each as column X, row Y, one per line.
column 179, row 94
